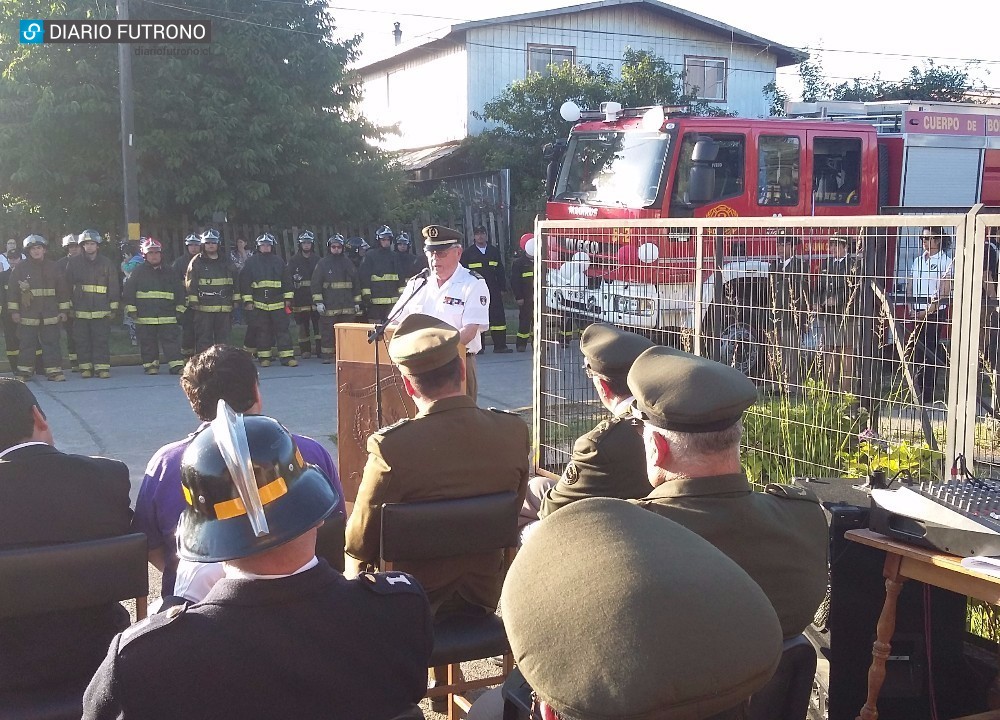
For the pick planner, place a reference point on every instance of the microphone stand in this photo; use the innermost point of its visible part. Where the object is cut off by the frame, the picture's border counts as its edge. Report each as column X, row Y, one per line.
column 378, row 332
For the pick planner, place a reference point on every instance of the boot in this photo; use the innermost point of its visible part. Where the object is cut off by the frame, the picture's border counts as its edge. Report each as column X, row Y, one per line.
column 57, row 377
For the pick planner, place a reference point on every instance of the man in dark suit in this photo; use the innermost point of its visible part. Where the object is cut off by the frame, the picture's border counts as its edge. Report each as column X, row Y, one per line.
column 789, row 285
column 282, row 635
column 48, row 497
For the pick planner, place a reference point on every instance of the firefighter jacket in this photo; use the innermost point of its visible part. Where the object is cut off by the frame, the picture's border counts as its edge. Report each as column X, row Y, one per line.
column 379, row 273
column 210, row 283
column 489, row 264
column 335, row 283
column 94, row 286
column 265, row 282
column 408, row 266
column 522, row 278
column 154, row 295
column 300, row 270
column 4, row 280
column 38, row 292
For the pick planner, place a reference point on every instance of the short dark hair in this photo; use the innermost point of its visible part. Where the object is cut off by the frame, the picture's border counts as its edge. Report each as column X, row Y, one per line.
column 16, row 420
column 479, row 229
column 222, row 372
column 431, row 383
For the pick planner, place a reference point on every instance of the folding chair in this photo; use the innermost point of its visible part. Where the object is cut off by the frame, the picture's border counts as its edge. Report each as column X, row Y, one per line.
column 68, row 576
column 786, row 695
column 330, row 540
column 441, row 529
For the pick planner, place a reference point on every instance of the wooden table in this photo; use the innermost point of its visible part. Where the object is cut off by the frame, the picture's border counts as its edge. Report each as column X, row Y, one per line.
column 908, row 562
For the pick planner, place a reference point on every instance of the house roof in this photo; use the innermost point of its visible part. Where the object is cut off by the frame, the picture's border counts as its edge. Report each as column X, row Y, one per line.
column 455, row 33
column 419, row 158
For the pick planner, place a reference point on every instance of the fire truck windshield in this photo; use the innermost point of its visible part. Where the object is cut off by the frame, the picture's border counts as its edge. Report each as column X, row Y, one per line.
column 614, row 168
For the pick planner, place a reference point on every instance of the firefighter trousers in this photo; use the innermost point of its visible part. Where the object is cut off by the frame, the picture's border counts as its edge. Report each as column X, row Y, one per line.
column 211, row 328
column 328, row 336
column 498, row 322
column 153, row 338
column 525, row 318
column 10, row 339
column 92, row 337
column 187, row 332
column 32, row 337
column 70, row 342
column 272, row 328
column 309, row 332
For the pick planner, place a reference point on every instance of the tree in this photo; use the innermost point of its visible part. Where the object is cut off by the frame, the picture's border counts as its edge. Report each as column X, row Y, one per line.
column 940, row 83
column 260, row 124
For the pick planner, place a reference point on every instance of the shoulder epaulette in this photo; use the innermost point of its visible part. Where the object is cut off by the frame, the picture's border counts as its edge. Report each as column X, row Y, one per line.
column 390, row 583
column 151, row 624
column 505, row 412
column 476, row 275
column 790, row 492
column 395, row 426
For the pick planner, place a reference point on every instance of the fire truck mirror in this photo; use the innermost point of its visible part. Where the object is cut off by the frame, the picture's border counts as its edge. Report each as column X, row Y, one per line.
column 706, row 150
column 701, row 185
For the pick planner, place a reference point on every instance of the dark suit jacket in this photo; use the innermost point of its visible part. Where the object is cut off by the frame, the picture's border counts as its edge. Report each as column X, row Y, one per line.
column 49, row 497
column 789, row 291
column 312, row 645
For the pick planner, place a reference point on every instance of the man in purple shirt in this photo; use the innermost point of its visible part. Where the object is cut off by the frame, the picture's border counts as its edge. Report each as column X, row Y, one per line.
column 225, row 373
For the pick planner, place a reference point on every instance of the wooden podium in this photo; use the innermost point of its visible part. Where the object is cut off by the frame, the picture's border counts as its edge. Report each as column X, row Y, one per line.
column 356, row 408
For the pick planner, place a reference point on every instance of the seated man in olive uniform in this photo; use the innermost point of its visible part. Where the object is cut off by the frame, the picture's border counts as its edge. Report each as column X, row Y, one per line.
column 607, row 460
column 692, row 410
column 282, row 635
column 669, row 627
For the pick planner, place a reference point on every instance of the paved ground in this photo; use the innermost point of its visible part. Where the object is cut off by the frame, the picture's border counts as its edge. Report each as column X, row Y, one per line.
column 129, row 416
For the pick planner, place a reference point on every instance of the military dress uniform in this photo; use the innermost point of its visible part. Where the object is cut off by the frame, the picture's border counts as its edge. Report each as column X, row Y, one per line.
column 379, row 273
column 836, row 300
column 522, row 284
column 265, row 283
column 210, row 284
column 154, row 296
column 336, row 285
column 489, row 264
column 186, row 321
column 95, row 291
column 37, row 292
column 301, row 268
column 789, row 285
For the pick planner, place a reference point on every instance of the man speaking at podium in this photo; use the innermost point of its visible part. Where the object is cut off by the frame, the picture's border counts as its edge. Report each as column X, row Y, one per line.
column 449, row 292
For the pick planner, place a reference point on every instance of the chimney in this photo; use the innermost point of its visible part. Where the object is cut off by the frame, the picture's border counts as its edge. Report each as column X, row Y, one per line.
column 397, row 33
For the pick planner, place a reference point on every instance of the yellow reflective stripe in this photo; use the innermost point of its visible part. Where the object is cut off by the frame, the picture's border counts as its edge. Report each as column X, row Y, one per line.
column 235, row 507
column 154, row 295
column 530, row 273
column 366, row 291
column 357, row 298
column 101, row 289
column 156, row 321
column 339, row 285
column 474, row 265
column 493, row 263
column 268, row 306
column 95, row 315
column 288, row 295
column 113, row 304
column 65, row 306
column 30, row 322
column 317, row 297
column 384, row 278
column 266, row 284
column 302, row 308
column 13, row 306
column 131, row 309
column 180, row 308
column 384, row 301
column 215, row 281
column 192, row 299
column 524, row 335
column 497, row 327
column 214, row 308
column 43, row 292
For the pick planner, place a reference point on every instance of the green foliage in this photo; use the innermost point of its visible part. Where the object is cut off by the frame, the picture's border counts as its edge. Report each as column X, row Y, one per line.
column 776, row 99
column 261, row 126
column 784, row 439
column 916, row 461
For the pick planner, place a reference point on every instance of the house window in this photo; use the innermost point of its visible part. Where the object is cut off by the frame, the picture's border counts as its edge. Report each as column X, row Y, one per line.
column 705, row 78
column 540, row 57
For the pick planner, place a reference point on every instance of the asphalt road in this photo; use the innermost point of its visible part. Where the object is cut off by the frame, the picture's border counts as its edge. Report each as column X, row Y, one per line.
column 129, row 416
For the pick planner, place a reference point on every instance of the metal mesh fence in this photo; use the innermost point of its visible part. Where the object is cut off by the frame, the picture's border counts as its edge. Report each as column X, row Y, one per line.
column 874, row 341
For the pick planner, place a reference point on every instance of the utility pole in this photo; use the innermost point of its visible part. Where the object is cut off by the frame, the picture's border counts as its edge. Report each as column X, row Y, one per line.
column 129, row 169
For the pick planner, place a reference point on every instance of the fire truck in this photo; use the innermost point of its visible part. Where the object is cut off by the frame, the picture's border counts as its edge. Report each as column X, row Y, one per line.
column 825, row 159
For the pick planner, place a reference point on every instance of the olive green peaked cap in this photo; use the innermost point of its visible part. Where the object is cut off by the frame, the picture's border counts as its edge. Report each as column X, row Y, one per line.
column 422, row 343
column 679, row 391
column 439, row 236
column 640, row 618
column 609, row 350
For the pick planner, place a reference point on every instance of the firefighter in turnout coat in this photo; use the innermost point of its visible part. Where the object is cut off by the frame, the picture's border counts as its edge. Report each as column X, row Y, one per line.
column 154, row 297
column 210, row 283
column 192, row 246
column 266, row 290
column 95, row 292
column 71, row 244
column 484, row 258
column 336, row 293
column 379, row 273
column 522, row 284
column 300, row 268
column 38, row 300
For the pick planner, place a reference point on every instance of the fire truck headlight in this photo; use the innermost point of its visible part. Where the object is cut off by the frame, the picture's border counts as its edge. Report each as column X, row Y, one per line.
column 649, row 253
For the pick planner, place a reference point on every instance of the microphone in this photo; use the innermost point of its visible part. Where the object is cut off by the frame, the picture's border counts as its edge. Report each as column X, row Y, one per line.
column 424, row 274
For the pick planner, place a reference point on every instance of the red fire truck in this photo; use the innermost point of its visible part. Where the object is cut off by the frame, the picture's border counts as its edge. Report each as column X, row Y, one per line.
column 825, row 159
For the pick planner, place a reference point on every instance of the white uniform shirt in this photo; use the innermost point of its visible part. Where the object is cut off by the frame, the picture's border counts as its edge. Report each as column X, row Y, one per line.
column 463, row 300
column 927, row 273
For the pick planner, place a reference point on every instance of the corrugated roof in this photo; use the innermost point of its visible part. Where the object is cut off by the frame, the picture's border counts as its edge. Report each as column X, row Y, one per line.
column 419, row 158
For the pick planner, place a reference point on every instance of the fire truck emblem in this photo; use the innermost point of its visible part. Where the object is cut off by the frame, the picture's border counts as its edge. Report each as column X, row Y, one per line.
column 722, row 211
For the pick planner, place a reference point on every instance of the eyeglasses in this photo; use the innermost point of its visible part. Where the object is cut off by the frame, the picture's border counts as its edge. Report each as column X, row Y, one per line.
column 440, row 250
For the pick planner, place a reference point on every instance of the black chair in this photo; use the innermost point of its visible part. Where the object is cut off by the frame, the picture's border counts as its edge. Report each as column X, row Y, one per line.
column 441, row 529
column 786, row 695
column 69, row 576
column 330, row 540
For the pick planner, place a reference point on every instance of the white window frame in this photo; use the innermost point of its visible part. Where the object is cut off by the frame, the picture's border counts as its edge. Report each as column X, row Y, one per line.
column 702, row 62
column 533, row 47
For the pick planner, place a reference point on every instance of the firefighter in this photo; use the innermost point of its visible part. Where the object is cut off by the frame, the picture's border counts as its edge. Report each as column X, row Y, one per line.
column 379, row 277
column 71, row 244
column 336, row 293
column 154, row 297
column 356, row 249
column 94, row 289
column 210, row 283
column 192, row 246
column 266, row 290
column 483, row 258
column 409, row 264
column 38, row 300
column 300, row 268
column 522, row 284
column 13, row 258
